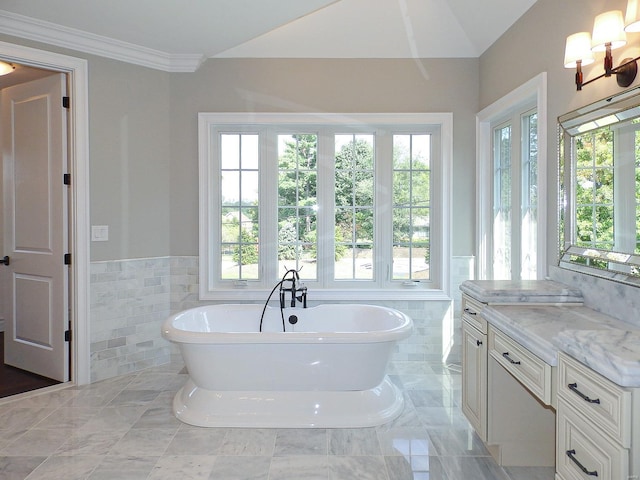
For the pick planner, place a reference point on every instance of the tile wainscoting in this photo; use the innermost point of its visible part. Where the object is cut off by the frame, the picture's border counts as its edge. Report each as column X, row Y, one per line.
column 129, row 301
column 131, row 298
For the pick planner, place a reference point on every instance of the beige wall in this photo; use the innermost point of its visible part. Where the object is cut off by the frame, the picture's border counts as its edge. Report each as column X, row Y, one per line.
column 143, row 135
column 143, row 132
column 304, row 85
column 130, row 159
column 129, row 125
column 536, row 44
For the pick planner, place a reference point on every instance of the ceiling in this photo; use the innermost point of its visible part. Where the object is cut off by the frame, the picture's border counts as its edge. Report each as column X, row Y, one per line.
column 167, row 35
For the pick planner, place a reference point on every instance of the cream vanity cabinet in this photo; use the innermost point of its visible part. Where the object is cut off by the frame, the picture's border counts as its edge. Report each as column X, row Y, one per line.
column 474, row 365
column 520, row 412
column 506, row 393
column 598, row 430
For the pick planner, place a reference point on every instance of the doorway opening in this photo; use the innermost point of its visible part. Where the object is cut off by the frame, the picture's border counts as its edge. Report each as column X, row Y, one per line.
column 34, row 124
column 75, row 71
column 15, row 380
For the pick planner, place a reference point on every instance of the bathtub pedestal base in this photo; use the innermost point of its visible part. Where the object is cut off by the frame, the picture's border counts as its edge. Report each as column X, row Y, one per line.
column 288, row 409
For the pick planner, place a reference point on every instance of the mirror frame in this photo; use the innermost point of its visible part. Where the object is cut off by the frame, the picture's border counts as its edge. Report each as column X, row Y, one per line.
column 617, row 266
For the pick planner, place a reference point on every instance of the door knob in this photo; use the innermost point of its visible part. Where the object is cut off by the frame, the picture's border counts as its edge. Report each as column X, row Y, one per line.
column 5, row 260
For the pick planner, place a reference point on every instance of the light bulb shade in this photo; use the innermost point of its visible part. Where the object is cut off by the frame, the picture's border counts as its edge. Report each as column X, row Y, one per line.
column 578, row 48
column 6, row 68
column 632, row 18
column 608, row 27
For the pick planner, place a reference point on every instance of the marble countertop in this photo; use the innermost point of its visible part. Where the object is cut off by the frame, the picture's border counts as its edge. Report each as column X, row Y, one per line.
column 606, row 345
column 520, row 291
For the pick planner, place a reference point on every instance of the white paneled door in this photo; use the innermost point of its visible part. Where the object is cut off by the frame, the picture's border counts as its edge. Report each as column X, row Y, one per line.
column 35, row 294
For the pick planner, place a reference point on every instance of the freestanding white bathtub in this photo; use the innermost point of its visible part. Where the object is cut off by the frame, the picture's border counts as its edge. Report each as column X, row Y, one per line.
column 327, row 370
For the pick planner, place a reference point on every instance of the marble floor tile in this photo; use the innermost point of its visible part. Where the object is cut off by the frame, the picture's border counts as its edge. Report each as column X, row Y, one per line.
column 144, row 442
column 53, row 399
column 18, row 468
column 67, row 417
column 77, row 467
column 301, row 441
column 423, row 468
column 408, row 418
column 411, row 368
column 114, row 418
column 241, row 468
column 360, row 467
column 124, row 467
column 90, row 399
column 453, row 443
column 354, row 441
column 196, row 441
column 124, row 429
column 530, row 473
column 134, row 397
column 157, row 417
column 22, row 418
column 442, row 417
column 158, row 381
column 84, row 442
column 418, row 382
column 248, row 441
column 431, row 398
column 192, row 467
column 37, row 442
column 299, row 467
column 476, row 468
column 405, row 442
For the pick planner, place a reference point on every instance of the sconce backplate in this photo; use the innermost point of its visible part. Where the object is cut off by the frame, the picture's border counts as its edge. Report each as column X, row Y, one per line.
column 626, row 73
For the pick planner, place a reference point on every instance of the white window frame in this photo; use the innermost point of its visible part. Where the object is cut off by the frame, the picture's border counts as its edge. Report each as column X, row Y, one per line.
column 440, row 209
column 532, row 93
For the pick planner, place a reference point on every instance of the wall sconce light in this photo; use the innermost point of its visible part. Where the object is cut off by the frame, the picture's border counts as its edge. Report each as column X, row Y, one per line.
column 609, row 33
column 6, row 68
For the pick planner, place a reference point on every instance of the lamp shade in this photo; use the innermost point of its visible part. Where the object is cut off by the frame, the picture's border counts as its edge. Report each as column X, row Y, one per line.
column 6, row 68
column 608, row 27
column 632, row 18
column 578, row 47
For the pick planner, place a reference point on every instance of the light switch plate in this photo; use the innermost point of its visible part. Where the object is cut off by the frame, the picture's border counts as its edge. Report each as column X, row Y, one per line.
column 99, row 233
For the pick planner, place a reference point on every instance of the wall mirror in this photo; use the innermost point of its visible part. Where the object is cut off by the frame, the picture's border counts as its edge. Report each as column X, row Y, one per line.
column 599, row 211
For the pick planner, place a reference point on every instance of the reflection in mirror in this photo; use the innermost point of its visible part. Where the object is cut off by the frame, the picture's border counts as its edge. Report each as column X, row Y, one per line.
column 600, row 188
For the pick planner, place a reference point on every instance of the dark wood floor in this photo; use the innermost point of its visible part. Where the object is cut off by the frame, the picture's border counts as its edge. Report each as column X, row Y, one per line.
column 14, row 380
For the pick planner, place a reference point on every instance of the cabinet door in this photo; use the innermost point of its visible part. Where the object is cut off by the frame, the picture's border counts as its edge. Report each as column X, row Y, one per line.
column 474, row 378
column 583, row 451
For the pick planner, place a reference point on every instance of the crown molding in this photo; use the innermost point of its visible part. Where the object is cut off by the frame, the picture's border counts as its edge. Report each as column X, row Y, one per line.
column 74, row 39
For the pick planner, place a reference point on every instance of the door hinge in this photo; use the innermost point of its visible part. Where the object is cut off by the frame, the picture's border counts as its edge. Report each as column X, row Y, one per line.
column 67, row 259
column 67, row 335
column 66, row 102
column 66, row 178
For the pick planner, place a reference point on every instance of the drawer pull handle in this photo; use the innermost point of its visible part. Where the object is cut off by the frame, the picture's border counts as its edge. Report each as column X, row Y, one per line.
column 574, row 388
column 570, row 454
column 467, row 310
column 513, row 362
column 478, row 342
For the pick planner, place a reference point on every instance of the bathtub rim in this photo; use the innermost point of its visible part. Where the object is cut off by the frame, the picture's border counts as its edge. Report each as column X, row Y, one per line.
column 179, row 336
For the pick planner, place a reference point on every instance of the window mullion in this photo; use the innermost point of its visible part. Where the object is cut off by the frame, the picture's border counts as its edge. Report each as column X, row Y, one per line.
column 269, row 206
column 326, row 204
column 517, row 149
column 624, row 167
column 384, row 216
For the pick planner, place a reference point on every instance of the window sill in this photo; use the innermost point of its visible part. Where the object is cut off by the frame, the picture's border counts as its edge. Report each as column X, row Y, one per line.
column 244, row 294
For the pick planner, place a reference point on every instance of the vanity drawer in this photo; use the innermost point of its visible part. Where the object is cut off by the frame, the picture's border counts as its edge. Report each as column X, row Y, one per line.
column 530, row 370
column 471, row 313
column 606, row 404
column 584, row 452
